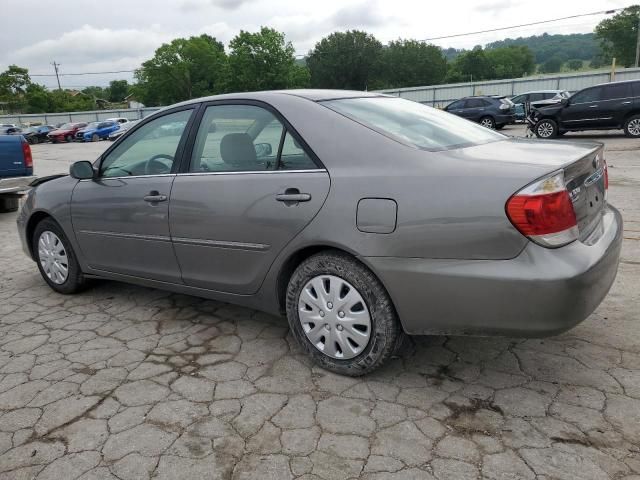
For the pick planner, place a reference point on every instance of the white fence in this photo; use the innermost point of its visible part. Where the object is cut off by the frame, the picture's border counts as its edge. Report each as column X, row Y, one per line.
column 441, row 95
column 91, row 116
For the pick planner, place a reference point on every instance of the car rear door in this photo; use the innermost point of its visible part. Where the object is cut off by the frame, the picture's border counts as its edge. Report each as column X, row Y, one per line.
column 474, row 109
column 583, row 110
column 120, row 218
column 617, row 103
column 235, row 206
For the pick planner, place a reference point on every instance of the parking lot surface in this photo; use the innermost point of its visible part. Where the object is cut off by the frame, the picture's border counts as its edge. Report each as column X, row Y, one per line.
column 123, row 382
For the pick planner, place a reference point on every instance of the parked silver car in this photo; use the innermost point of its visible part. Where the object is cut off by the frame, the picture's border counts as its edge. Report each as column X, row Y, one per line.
column 360, row 216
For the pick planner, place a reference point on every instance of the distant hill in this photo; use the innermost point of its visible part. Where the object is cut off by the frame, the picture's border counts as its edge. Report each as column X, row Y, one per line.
column 580, row 46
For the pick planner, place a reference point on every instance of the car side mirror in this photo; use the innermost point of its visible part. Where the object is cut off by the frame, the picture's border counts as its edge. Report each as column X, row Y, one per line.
column 263, row 149
column 565, row 101
column 82, row 170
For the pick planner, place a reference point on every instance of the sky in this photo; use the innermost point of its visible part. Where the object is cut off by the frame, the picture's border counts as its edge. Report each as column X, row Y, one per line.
column 113, row 35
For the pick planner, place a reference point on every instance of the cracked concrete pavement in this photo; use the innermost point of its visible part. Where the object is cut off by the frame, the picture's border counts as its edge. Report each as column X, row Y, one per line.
column 123, row 382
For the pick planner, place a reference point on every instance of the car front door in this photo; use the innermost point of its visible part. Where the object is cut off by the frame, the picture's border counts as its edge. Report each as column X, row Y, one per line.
column 250, row 187
column 457, row 108
column 121, row 217
column 583, row 110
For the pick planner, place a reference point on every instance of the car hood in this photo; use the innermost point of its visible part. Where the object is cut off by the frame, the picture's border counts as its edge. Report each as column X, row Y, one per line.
column 60, row 132
column 550, row 109
column 87, row 130
column 539, row 154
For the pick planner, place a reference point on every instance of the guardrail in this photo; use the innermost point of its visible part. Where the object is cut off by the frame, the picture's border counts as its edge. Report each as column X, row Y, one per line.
column 90, row 116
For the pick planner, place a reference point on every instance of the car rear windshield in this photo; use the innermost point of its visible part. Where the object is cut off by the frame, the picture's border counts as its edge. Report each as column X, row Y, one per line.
column 413, row 123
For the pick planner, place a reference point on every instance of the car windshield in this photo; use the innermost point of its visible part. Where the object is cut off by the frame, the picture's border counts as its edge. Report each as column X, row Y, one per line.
column 30, row 130
column 66, row 126
column 413, row 123
column 93, row 125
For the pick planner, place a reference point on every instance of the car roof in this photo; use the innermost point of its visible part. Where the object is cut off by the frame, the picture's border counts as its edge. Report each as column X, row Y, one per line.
column 316, row 95
column 542, row 91
column 613, row 83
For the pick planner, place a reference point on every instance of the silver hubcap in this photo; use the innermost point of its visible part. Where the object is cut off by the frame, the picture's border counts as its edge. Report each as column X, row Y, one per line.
column 53, row 257
column 634, row 127
column 334, row 317
column 545, row 129
column 486, row 122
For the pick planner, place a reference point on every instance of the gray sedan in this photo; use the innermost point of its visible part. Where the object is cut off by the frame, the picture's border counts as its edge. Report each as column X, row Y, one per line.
column 361, row 217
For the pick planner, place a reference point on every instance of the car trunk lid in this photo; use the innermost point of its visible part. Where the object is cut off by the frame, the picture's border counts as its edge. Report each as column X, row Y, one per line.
column 586, row 181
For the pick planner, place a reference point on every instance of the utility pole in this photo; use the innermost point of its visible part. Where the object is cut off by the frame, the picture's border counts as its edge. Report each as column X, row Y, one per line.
column 55, row 67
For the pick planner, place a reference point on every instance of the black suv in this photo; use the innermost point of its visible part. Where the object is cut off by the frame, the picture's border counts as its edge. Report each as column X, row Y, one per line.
column 492, row 112
column 609, row 106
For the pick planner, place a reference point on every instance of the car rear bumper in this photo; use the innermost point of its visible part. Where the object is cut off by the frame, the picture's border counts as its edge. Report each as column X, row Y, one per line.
column 540, row 292
column 505, row 119
column 10, row 185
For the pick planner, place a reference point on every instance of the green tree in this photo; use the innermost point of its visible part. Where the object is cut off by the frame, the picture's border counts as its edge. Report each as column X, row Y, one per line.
column 346, row 60
column 183, row 69
column 96, row 92
column 409, row 63
column 574, row 64
column 13, row 85
column 619, row 34
column 263, row 60
column 118, row 90
column 511, row 62
column 553, row 65
column 38, row 99
column 472, row 65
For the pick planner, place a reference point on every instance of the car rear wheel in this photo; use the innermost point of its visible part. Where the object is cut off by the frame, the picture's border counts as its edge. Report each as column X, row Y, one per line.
column 488, row 122
column 546, row 128
column 341, row 315
column 56, row 259
column 632, row 126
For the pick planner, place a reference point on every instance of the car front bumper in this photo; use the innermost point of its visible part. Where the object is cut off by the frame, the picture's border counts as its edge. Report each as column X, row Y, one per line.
column 540, row 292
column 15, row 185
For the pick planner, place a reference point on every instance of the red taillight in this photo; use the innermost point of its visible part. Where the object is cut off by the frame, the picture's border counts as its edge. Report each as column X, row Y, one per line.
column 26, row 153
column 544, row 212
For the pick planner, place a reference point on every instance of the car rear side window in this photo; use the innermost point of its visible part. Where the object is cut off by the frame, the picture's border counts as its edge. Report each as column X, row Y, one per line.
column 616, row 90
column 475, row 103
column 245, row 138
column 412, row 123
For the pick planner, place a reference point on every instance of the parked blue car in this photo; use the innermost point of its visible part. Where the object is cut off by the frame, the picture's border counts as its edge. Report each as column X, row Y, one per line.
column 96, row 131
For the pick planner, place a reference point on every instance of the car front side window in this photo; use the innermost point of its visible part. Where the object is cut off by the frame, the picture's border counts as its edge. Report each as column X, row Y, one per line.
column 150, row 150
column 586, row 96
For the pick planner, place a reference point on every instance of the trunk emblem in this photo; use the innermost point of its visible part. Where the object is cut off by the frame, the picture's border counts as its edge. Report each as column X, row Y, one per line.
column 574, row 194
column 594, row 177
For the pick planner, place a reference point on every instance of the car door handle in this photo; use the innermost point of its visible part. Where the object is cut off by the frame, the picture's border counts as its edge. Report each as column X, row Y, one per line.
column 593, row 106
column 626, row 103
column 154, row 197
column 293, row 195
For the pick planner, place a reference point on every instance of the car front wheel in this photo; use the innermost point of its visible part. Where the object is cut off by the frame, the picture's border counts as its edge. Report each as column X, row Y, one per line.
column 632, row 126
column 69, row 138
column 341, row 315
column 546, row 128
column 56, row 259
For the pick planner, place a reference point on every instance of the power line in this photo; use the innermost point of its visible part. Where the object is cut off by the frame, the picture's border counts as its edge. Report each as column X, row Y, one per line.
column 602, row 12
column 78, row 73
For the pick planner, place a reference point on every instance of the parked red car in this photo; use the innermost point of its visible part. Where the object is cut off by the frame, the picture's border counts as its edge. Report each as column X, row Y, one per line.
column 66, row 132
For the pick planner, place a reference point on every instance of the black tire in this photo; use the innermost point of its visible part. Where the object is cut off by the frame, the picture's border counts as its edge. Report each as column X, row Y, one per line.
column 69, row 138
column 546, row 128
column 75, row 280
column 35, row 140
column 386, row 334
column 9, row 203
column 500, row 127
column 488, row 122
column 632, row 126
column 95, row 137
